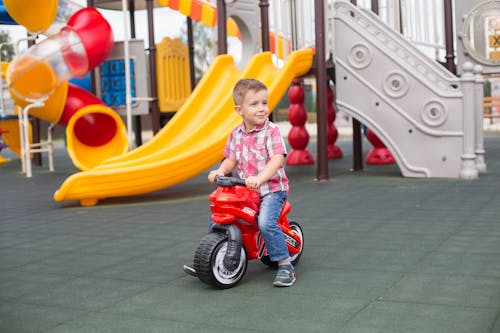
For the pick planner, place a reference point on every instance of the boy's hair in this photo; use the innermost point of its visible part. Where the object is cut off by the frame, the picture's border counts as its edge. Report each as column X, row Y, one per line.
column 243, row 86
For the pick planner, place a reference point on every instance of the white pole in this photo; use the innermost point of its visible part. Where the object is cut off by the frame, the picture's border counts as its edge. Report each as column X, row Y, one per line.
column 21, row 136
column 397, row 16
column 469, row 170
column 26, row 141
column 478, row 111
column 2, row 103
column 25, row 133
column 128, row 97
column 435, row 26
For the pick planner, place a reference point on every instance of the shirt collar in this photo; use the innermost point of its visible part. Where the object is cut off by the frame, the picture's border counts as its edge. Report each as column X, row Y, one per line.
column 255, row 129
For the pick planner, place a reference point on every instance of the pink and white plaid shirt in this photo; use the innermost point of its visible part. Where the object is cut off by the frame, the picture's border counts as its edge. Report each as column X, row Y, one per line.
column 253, row 150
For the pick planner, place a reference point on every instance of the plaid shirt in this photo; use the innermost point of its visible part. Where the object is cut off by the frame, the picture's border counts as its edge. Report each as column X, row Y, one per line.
column 253, row 150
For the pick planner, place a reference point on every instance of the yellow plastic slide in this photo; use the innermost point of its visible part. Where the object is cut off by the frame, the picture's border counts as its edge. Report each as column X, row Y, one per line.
column 12, row 134
column 192, row 140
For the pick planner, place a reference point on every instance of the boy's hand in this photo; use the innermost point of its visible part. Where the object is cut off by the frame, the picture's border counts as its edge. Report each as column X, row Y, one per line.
column 253, row 182
column 212, row 176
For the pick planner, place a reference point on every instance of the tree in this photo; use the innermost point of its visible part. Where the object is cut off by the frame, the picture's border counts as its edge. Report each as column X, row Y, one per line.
column 7, row 50
column 203, row 46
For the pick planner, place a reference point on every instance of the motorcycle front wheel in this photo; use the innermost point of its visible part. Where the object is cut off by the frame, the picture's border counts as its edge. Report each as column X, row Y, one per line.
column 209, row 262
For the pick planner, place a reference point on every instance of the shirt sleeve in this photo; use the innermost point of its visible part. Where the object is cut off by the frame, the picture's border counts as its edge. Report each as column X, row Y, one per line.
column 229, row 148
column 275, row 143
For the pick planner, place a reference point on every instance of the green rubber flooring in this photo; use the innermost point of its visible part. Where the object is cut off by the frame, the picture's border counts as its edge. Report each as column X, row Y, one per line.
column 382, row 253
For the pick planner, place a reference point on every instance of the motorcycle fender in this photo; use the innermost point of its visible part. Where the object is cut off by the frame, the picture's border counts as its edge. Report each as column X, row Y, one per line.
column 234, row 244
column 221, row 218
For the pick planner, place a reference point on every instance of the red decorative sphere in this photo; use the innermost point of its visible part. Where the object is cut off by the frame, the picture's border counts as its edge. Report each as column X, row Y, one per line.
column 332, row 133
column 296, row 94
column 297, row 114
column 298, row 137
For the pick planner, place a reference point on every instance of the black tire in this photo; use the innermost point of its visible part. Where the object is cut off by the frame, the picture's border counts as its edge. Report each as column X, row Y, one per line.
column 295, row 258
column 208, row 262
column 298, row 230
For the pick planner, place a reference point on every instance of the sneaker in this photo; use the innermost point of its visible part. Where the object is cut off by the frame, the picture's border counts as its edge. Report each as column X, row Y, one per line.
column 189, row 269
column 285, row 276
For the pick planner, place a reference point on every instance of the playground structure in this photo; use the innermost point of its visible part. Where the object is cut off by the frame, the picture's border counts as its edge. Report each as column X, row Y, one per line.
column 37, row 81
column 430, row 120
column 412, row 100
column 200, row 129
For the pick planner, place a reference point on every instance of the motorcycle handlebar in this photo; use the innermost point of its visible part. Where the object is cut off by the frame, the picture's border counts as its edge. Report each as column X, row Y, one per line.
column 229, row 181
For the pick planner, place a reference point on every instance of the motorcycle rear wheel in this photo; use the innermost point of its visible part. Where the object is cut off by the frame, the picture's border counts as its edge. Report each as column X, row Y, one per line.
column 294, row 258
column 208, row 262
column 297, row 230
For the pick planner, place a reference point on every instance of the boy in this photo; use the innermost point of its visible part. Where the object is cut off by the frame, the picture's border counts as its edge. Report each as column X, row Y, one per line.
column 256, row 150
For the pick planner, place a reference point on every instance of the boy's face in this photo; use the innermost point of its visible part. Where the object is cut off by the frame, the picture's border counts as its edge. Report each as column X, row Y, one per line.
column 254, row 109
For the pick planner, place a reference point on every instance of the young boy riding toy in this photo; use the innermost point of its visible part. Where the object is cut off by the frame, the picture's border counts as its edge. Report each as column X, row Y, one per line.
column 256, row 150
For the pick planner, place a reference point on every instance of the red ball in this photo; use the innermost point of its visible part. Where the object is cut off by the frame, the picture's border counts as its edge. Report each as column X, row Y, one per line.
column 331, row 113
column 296, row 94
column 332, row 133
column 329, row 95
column 297, row 114
column 298, row 137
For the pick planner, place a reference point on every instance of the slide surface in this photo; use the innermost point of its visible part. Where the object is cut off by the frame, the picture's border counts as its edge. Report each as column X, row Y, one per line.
column 423, row 113
column 193, row 139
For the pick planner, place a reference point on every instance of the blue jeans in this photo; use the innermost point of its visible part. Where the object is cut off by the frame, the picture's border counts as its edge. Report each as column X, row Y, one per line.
column 270, row 209
column 269, row 213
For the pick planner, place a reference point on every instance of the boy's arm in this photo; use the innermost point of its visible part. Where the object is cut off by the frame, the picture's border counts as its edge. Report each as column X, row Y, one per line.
column 227, row 166
column 269, row 170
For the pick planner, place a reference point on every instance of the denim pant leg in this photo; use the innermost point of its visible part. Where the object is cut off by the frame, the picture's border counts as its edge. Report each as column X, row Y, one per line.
column 270, row 209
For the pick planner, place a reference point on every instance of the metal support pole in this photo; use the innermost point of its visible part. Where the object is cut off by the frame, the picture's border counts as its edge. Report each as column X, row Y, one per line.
column 221, row 27
column 448, row 32
column 374, row 6
column 137, row 119
column 189, row 24
column 126, row 57
column 264, row 19
column 293, row 23
column 321, row 95
column 357, row 143
column 93, row 89
column 155, row 113
column 131, row 17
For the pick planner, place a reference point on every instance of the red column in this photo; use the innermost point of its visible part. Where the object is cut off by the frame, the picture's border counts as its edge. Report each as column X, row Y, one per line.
column 379, row 154
column 334, row 151
column 298, row 136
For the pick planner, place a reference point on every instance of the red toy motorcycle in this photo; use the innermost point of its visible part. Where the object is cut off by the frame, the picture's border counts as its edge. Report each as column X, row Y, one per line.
column 222, row 256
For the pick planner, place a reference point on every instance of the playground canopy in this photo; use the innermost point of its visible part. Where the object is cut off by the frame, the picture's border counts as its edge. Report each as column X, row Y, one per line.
column 198, row 10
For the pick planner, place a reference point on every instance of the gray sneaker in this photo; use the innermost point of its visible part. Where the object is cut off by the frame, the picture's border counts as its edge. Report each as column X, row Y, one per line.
column 189, row 269
column 285, row 276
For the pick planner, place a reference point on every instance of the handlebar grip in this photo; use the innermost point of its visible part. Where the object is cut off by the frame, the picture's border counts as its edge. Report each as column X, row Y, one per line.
column 229, row 181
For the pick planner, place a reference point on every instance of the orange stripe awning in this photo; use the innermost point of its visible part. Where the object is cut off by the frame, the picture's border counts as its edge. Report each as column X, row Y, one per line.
column 197, row 10
column 201, row 11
